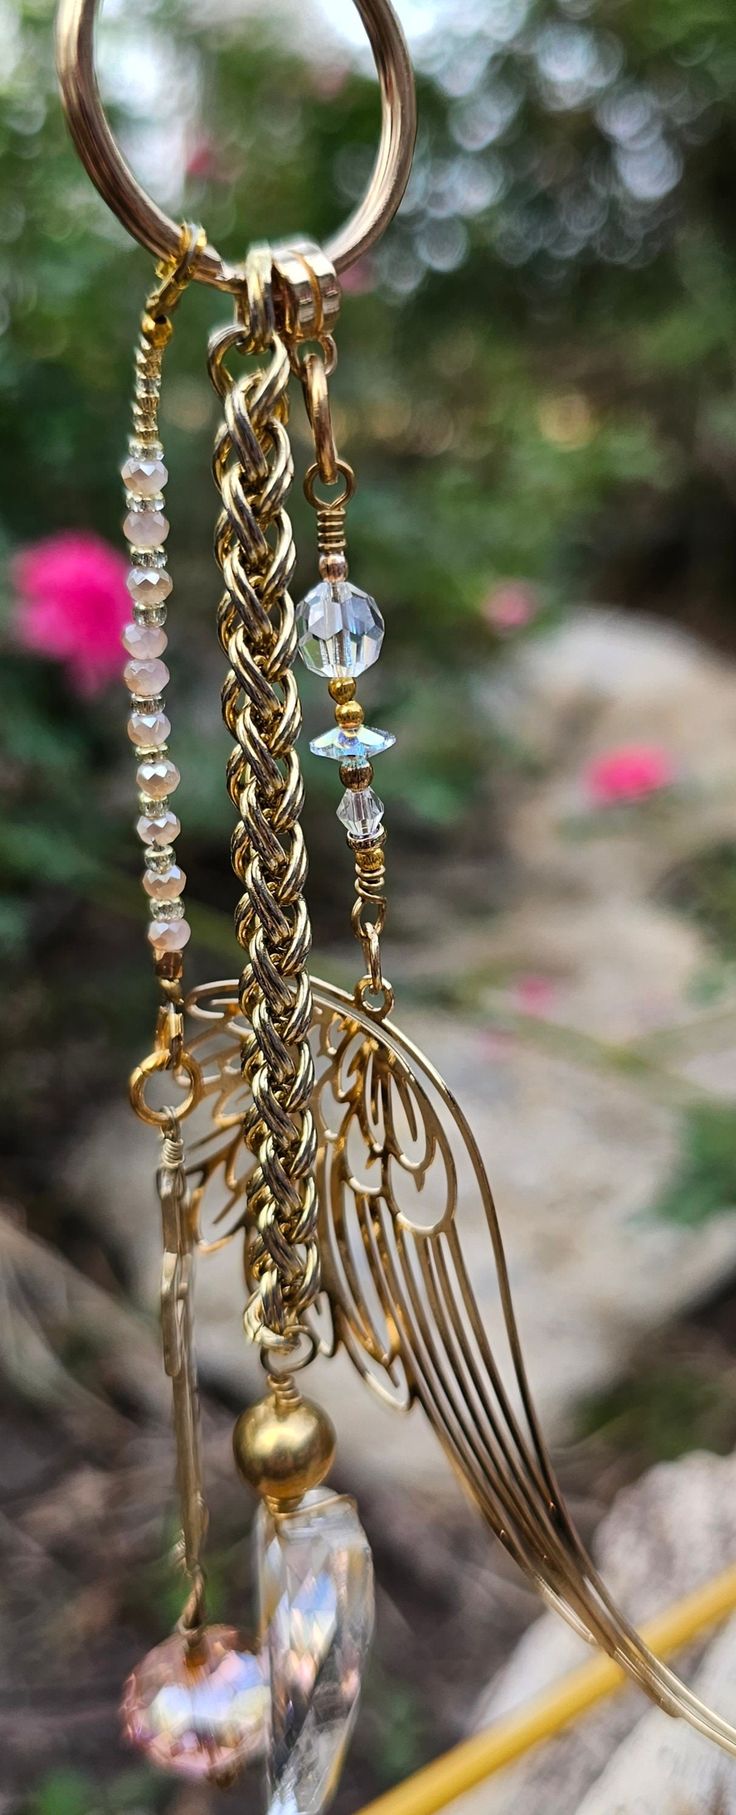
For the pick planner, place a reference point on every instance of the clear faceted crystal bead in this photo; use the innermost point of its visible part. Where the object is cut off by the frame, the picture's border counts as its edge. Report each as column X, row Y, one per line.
column 316, row 1591
column 361, row 812
column 202, row 1712
column 340, row 629
column 352, row 746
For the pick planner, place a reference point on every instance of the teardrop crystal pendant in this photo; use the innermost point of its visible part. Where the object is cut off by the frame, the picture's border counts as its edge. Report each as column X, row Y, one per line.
column 315, row 1576
column 201, row 1709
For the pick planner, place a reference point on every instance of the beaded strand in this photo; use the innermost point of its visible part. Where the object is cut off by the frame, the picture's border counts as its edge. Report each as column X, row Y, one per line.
column 144, row 637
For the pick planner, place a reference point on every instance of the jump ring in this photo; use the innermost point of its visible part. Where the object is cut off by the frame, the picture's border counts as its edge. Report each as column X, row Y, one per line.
column 161, row 1061
column 154, row 229
column 383, row 1001
column 342, row 471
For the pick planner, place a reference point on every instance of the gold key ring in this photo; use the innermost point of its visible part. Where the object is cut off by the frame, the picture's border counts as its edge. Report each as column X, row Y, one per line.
column 75, row 28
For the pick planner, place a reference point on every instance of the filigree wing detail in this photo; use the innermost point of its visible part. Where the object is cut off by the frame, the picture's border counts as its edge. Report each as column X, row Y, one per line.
column 410, row 1242
column 403, row 1275
column 218, row 1161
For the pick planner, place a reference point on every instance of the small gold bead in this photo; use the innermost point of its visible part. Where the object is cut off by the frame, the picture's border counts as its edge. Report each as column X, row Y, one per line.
column 333, row 566
column 341, row 691
column 284, row 1446
column 356, row 775
column 350, row 716
column 369, row 857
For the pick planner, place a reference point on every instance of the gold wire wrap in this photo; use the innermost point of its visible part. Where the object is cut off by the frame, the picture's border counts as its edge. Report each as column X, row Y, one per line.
column 156, row 329
column 255, row 550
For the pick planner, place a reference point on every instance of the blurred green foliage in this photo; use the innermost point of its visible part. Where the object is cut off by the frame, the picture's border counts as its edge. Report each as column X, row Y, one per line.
column 704, row 1181
column 664, row 1411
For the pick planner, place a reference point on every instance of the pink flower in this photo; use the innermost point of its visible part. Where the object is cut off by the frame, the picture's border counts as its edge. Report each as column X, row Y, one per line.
column 534, row 994
column 203, row 162
column 510, row 607
column 631, row 772
column 72, row 604
column 359, row 277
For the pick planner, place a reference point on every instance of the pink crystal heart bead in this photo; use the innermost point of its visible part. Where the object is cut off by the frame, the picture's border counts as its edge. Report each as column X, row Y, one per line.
column 202, row 1711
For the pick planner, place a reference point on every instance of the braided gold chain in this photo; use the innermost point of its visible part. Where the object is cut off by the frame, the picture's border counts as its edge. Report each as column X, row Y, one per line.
column 254, row 546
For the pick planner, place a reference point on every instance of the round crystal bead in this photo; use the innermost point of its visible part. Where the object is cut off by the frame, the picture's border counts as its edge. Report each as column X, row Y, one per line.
column 164, row 885
column 144, row 478
column 144, row 641
column 149, row 585
column 146, row 528
column 146, row 679
column 199, row 1709
column 340, row 629
column 159, row 829
column 149, row 730
column 157, row 779
column 169, row 935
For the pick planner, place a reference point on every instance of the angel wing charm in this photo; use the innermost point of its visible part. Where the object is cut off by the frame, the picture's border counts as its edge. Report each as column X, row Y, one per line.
column 401, row 1183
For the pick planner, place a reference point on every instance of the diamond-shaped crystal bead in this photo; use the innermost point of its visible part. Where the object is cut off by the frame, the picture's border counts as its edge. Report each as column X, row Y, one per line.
column 352, row 746
column 340, row 629
column 316, row 1588
column 361, row 812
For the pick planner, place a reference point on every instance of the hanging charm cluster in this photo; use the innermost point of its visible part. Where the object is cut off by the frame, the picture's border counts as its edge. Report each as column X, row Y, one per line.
column 340, row 635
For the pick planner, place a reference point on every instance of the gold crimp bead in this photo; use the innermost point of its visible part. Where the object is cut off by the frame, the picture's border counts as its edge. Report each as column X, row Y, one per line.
column 342, row 690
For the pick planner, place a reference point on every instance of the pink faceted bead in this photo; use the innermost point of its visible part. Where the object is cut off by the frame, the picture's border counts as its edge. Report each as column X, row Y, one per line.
column 144, row 641
column 148, row 729
column 169, row 935
column 144, row 478
column 147, row 679
column 157, row 779
column 164, row 885
column 149, row 585
column 160, row 830
column 146, row 528
column 203, row 1712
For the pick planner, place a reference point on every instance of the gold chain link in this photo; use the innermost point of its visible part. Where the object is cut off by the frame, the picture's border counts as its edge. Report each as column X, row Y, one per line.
column 254, row 547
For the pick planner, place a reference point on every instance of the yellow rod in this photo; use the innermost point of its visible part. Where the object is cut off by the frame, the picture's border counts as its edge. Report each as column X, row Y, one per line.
column 477, row 1758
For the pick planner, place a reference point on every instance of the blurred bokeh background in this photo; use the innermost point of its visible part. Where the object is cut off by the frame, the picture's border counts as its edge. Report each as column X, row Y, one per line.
column 537, row 388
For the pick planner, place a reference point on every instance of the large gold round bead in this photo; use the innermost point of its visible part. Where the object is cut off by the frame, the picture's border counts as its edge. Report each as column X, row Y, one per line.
column 284, row 1447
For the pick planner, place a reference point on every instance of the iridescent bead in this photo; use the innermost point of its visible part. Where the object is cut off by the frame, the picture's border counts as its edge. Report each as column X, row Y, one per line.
column 146, row 528
column 340, row 629
column 159, row 829
column 144, row 478
column 361, row 812
column 146, row 679
column 164, row 885
column 157, row 779
column 149, row 585
column 352, row 746
column 169, row 935
column 148, row 729
column 144, row 641
column 201, row 1709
